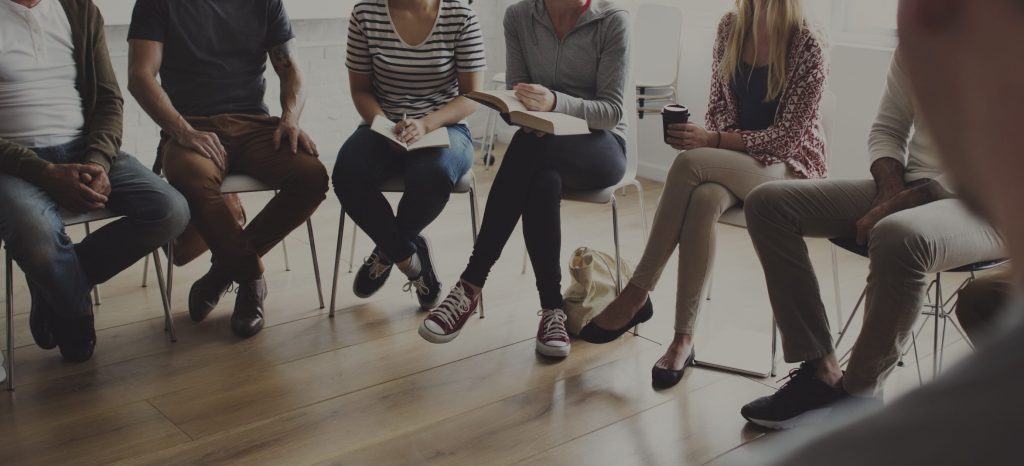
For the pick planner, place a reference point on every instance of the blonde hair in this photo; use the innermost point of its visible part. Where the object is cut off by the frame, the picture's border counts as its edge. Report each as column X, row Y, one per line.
column 785, row 18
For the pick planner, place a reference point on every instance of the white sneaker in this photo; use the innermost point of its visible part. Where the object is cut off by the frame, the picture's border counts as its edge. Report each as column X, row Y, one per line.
column 552, row 338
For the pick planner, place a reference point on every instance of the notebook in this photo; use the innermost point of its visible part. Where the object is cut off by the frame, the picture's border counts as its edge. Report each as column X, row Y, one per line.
column 436, row 138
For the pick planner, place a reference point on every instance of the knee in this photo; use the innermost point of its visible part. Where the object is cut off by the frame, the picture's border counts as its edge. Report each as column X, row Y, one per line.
column 175, row 216
column 709, row 200
column 429, row 178
column 310, row 176
column 768, row 204
column 36, row 242
column 896, row 243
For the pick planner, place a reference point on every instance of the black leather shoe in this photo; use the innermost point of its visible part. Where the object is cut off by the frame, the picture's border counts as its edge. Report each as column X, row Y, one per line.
column 40, row 317
column 247, row 320
column 427, row 285
column 76, row 336
column 206, row 293
column 372, row 275
column 594, row 334
column 666, row 378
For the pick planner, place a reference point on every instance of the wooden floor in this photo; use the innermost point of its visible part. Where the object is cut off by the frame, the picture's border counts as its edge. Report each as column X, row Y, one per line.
column 364, row 388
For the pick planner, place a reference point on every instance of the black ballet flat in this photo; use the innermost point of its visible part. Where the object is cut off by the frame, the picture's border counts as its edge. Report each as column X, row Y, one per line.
column 666, row 378
column 593, row 334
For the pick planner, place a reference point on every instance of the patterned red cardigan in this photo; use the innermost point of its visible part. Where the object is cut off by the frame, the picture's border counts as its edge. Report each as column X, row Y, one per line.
column 796, row 138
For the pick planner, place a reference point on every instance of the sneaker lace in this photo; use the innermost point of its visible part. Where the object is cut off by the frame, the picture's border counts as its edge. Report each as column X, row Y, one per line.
column 453, row 307
column 377, row 266
column 795, row 375
column 418, row 285
column 553, row 324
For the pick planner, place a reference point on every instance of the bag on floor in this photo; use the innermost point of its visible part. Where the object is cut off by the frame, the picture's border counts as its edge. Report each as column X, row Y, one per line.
column 591, row 287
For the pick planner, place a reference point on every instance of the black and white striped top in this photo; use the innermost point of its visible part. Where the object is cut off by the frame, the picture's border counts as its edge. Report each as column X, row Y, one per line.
column 414, row 79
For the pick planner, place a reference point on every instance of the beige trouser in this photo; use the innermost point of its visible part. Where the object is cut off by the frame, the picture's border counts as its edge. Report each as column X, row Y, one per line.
column 701, row 186
column 903, row 249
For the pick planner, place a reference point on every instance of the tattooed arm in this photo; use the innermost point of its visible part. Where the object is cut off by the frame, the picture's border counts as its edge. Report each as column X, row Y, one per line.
column 293, row 100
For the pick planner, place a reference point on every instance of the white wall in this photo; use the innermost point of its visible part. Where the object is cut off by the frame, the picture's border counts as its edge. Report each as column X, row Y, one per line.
column 119, row 12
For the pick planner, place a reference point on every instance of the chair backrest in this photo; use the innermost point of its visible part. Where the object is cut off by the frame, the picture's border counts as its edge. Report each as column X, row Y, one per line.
column 657, row 44
column 632, row 133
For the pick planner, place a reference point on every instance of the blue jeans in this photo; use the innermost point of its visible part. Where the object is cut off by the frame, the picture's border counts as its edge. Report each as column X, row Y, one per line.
column 61, row 272
column 367, row 159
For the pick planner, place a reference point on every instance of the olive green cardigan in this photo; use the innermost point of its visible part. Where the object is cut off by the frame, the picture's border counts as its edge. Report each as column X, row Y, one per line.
column 101, row 97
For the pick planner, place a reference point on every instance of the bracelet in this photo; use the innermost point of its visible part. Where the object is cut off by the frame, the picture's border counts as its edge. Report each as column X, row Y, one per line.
column 718, row 140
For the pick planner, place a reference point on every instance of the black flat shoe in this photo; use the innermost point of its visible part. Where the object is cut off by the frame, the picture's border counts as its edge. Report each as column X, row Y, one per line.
column 667, row 378
column 594, row 334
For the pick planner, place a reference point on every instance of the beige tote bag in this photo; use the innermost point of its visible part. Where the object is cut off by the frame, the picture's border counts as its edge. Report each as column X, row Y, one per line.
column 591, row 287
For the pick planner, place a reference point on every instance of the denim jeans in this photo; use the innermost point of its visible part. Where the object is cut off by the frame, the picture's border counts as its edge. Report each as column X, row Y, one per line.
column 61, row 272
column 367, row 159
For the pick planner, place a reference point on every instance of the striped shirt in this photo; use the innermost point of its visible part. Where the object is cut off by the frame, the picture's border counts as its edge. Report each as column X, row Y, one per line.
column 414, row 80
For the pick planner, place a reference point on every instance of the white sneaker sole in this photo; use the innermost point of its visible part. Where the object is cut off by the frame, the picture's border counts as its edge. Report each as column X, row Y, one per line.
column 435, row 338
column 812, row 417
column 553, row 351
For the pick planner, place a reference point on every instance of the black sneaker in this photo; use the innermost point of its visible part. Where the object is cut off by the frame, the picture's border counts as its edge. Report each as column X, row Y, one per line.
column 804, row 400
column 40, row 317
column 372, row 275
column 427, row 286
column 76, row 335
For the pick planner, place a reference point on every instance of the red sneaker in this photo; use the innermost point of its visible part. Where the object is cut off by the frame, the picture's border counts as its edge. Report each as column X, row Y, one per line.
column 552, row 339
column 445, row 321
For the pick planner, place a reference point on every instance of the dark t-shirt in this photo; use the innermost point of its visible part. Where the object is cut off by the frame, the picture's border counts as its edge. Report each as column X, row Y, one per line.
column 750, row 88
column 215, row 51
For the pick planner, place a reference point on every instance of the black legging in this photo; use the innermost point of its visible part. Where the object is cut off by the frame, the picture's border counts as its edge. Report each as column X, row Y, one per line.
column 529, row 184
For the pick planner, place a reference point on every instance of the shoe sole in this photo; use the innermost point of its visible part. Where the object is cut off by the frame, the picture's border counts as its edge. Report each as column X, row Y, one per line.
column 553, row 351
column 812, row 417
column 440, row 286
column 435, row 338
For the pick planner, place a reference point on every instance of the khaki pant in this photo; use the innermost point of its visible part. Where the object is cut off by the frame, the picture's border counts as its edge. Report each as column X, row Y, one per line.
column 301, row 180
column 702, row 184
column 904, row 248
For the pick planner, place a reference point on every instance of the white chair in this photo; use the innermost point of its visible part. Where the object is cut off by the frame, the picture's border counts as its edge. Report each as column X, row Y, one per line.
column 466, row 185
column 658, row 37
column 736, row 217
column 72, row 220
column 491, row 130
column 241, row 184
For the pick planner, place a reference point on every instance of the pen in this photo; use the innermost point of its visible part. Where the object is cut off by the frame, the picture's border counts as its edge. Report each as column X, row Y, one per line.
column 404, row 116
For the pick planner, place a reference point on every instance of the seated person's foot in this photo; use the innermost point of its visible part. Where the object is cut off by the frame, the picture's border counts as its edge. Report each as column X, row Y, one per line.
column 552, row 338
column 207, row 291
column 247, row 320
column 668, row 371
column 75, row 335
column 372, row 275
column 445, row 321
column 40, row 318
column 632, row 307
column 426, row 285
column 803, row 400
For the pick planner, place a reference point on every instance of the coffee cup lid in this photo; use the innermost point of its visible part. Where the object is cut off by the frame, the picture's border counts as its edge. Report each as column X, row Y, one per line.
column 674, row 108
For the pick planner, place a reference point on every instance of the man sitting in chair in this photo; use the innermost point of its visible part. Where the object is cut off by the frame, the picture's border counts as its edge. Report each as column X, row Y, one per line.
column 60, row 134
column 911, row 225
column 211, row 56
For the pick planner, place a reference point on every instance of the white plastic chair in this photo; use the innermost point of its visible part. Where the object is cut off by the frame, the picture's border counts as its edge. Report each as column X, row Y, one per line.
column 466, row 185
column 71, row 219
column 657, row 45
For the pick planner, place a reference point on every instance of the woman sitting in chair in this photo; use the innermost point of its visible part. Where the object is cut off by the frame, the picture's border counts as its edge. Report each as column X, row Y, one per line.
column 408, row 62
column 763, row 124
column 554, row 66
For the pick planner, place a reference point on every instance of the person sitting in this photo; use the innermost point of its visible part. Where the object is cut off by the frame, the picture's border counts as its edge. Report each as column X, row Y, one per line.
column 764, row 124
column 911, row 225
column 60, row 135
column 211, row 56
column 536, row 167
column 394, row 74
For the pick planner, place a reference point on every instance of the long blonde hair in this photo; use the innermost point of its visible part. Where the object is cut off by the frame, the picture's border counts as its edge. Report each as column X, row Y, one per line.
column 785, row 19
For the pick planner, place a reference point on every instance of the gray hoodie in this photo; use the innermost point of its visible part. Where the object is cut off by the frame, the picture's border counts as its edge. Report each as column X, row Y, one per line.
column 587, row 70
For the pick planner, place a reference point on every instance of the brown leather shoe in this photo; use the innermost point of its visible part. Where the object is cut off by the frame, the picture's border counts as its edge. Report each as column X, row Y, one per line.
column 247, row 319
column 206, row 293
column 75, row 335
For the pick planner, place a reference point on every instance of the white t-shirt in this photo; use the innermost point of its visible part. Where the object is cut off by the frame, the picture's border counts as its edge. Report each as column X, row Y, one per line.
column 39, row 104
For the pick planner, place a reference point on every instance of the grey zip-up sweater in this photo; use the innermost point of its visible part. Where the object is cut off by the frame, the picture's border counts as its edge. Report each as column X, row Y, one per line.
column 587, row 70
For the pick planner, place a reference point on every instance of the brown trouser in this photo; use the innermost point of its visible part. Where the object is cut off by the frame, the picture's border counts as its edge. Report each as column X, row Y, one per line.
column 701, row 186
column 249, row 140
column 904, row 248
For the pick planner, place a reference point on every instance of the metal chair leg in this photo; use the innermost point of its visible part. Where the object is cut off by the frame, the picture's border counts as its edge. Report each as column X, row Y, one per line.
column 835, row 282
column 337, row 262
column 145, row 271
column 936, row 306
column 775, row 345
column 170, row 273
column 166, row 300
column 316, row 264
column 352, row 248
column 643, row 208
column 476, row 229
column 95, row 290
column 10, row 322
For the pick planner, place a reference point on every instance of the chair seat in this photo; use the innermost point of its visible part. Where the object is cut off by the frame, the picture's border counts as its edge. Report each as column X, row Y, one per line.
column 243, row 184
column 735, row 217
column 397, row 184
column 72, row 218
column 499, row 78
column 851, row 245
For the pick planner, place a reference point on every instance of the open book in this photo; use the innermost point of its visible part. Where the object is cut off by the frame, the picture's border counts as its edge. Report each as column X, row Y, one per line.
column 506, row 103
column 435, row 138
